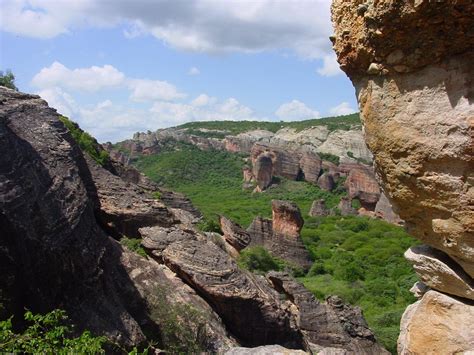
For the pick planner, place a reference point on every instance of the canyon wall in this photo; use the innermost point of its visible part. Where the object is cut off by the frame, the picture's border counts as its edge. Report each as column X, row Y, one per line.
column 412, row 65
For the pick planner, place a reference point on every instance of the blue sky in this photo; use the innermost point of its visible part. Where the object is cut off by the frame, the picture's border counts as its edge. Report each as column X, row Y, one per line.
column 117, row 67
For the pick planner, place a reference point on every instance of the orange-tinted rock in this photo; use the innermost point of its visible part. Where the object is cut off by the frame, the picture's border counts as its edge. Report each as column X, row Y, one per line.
column 361, row 184
column 286, row 217
column 310, row 164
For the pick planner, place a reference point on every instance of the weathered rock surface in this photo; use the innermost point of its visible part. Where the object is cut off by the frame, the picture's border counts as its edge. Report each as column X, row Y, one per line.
column 339, row 142
column 384, row 210
column 286, row 217
column 265, row 350
column 326, row 182
column 411, row 65
column 281, row 236
column 345, row 206
column 330, row 325
column 361, row 184
column 125, row 207
column 53, row 251
column 263, row 171
column 437, row 324
column 437, row 270
column 234, row 234
column 318, row 208
column 237, row 296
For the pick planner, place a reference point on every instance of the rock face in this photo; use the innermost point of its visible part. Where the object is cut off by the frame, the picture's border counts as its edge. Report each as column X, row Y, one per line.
column 281, row 236
column 318, row 208
column 54, row 251
column 437, row 324
column 411, row 64
column 330, row 325
column 384, row 210
column 361, row 184
column 263, row 171
column 234, row 234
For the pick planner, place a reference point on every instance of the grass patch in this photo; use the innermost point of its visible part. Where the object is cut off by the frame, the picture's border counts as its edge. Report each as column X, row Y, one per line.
column 134, row 244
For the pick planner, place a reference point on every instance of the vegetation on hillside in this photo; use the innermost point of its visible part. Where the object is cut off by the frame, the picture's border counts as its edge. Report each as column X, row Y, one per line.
column 7, row 79
column 219, row 129
column 87, row 143
column 213, row 181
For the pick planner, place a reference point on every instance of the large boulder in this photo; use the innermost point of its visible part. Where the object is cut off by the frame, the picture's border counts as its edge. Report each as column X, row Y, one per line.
column 411, row 65
column 437, row 324
column 361, row 184
column 318, row 208
column 286, row 217
column 263, row 171
column 234, row 234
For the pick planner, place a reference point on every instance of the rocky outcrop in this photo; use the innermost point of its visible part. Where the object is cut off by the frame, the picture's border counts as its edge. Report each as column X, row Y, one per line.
column 361, row 185
column 326, row 182
column 234, row 234
column 237, row 296
column 437, row 270
column 54, row 252
column 265, row 350
column 263, row 171
column 345, row 207
column 330, row 325
column 384, row 210
column 318, row 208
column 437, row 324
column 342, row 143
column 125, row 207
column 411, row 64
column 282, row 235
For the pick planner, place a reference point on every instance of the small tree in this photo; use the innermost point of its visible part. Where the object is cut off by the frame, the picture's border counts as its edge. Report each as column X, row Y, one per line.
column 7, row 79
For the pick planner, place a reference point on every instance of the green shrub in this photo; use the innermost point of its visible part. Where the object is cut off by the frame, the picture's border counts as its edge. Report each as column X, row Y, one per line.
column 258, row 259
column 86, row 142
column 329, row 157
column 134, row 244
column 7, row 79
column 181, row 325
column 48, row 334
column 355, row 203
column 156, row 195
column 209, row 225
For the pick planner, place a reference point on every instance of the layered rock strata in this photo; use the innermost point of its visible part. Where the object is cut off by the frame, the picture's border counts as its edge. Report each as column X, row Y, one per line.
column 412, row 66
column 281, row 235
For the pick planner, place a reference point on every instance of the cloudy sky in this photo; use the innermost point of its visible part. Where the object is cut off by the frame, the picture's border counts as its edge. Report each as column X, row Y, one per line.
column 122, row 66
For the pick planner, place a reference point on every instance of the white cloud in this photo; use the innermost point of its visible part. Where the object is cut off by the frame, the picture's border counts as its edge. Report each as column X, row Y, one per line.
column 203, row 100
column 197, row 25
column 344, row 108
column 295, row 111
column 152, row 90
column 84, row 79
column 194, row 71
column 60, row 100
column 330, row 66
column 171, row 113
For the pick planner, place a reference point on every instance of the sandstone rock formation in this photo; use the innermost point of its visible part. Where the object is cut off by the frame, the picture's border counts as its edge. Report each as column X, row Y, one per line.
column 281, row 236
column 345, row 206
column 411, row 64
column 384, row 210
column 234, row 234
column 361, row 184
column 263, row 171
column 437, row 324
column 326, row 182
column 330, row 325
column 318, row 208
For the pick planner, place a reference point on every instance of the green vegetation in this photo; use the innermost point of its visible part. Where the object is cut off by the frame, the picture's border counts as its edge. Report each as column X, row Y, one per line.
column 87, row 143
column 235, row 127
column 156, row 195
column 48, row 334
column 209, row 225
column 134, row 244
column 360, row 160
column 329, row 157
column 213, row 182
column 361, row 260
column 257, row 259
column 7, row 79
column 181, row 325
